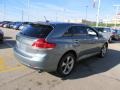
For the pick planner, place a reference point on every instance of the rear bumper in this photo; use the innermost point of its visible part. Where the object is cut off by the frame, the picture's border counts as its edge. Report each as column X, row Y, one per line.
column 42, row 62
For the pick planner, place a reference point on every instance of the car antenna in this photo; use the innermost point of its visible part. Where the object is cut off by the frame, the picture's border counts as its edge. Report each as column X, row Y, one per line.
column 46, row 19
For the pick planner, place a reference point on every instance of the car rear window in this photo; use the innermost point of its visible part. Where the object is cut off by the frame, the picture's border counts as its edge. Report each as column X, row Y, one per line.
column 36, row 30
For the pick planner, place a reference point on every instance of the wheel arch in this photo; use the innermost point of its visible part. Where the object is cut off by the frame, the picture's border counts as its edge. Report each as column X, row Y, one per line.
column 106, row 43
column 70, row 51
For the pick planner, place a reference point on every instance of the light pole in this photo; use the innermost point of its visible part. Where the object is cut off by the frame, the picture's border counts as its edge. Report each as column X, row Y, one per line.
column 4, row 10
column 22, row 14
column 98, row 13
column 28, row 7
column 107, row 20
column 56, row 16
column 117, row 9
column 86, row 12
column 64, row 12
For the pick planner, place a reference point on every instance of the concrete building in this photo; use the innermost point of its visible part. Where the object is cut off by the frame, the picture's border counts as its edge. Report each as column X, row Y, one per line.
column 116, row 19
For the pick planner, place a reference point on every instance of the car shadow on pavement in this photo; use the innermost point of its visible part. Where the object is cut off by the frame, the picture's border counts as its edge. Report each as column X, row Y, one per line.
column 95, row 65
column 6, row 37
column 115, row 41
column 7, row 44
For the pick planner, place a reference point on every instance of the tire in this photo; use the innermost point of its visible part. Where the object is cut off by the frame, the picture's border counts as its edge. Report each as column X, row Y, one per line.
column 66, row 64
column 1, row 41
column 117, row 38
column 103, row 51
column 110, row 40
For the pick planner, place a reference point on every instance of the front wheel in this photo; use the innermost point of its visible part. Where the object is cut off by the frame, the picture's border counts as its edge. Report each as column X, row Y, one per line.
column 103, row 51
column 110, row 40
column 1, row 41
column 66, row 65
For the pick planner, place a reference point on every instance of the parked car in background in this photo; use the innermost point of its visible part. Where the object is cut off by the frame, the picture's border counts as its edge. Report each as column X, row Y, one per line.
column 57, row 46
column 6, row 25
column 116, row 34
column 17, row 25
column 3, row 24
column 23, row 25
column 106, row 32
column 12, row 25
column 1, row 36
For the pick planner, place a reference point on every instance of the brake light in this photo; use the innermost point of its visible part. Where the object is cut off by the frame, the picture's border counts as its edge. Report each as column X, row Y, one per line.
column 41, row 43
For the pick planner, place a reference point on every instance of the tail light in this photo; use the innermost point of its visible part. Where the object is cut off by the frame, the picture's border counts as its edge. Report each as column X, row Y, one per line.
column 42, row 43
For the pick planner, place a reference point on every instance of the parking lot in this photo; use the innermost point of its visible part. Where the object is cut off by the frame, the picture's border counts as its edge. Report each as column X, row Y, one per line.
column 90, row 74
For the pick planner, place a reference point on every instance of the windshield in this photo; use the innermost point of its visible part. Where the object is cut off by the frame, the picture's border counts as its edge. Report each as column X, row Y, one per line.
column 103, row 29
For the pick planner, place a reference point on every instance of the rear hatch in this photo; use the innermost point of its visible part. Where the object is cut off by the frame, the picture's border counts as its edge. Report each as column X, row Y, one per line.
column 28, row 39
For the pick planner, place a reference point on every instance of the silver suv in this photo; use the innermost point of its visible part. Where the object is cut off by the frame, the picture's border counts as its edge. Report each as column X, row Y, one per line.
column 57, row 46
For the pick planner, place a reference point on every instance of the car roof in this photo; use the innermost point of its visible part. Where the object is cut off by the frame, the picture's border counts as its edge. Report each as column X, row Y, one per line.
column 102, row 27
column 59, row 23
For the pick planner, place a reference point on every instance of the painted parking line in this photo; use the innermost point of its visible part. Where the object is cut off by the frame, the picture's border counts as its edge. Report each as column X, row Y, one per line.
column 4, row 68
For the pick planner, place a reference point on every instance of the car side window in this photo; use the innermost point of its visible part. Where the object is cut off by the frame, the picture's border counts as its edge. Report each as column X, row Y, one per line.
column 78, row 30
column 92, row 33
column 68, row 33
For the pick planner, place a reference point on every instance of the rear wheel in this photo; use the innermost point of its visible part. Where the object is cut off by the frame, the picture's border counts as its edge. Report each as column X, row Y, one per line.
column 66, row 64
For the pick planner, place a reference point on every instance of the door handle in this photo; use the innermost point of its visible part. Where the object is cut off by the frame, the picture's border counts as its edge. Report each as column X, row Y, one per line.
column 76, row 41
